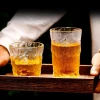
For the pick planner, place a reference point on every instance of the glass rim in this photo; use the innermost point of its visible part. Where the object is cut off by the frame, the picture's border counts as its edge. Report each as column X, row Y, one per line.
column 67, row 29
column 15, row 43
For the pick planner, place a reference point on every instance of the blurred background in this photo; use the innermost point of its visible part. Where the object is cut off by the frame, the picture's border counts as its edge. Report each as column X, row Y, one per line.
column 74, row 17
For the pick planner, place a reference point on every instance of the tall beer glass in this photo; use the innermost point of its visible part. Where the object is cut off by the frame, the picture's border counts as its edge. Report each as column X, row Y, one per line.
column 66, row 49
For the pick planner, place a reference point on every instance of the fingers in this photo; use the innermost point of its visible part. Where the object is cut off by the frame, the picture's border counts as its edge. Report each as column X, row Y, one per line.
column 4, row 56
column 95, row 69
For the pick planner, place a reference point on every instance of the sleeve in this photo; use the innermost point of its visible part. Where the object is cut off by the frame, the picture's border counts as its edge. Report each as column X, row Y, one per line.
column 28, row 26
column 95, row 31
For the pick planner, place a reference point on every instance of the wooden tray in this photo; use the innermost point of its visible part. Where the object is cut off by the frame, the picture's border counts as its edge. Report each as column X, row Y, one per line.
column 47, row 83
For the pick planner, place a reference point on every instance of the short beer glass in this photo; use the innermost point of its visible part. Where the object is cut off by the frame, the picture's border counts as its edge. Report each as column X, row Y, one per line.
column 26, row 58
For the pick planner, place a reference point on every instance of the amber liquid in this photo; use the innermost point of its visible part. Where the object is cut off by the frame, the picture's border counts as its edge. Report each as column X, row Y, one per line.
column 28, row 68
column 66, row 60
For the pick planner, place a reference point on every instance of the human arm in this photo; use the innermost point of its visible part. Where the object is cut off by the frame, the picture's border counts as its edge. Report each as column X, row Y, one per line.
column 95, row 33
column 26, row 26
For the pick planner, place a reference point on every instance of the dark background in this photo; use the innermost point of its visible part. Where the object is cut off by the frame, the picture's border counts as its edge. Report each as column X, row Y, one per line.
column 74, row 17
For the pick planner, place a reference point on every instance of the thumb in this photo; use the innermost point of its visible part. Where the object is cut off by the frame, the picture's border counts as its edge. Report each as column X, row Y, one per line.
column 95, row 69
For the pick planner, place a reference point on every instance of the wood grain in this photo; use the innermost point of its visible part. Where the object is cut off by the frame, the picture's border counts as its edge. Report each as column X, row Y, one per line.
column 47, row 83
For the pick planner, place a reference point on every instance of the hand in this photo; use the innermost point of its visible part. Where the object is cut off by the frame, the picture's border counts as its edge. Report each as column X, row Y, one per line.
column 4, row 56
column 95, row 70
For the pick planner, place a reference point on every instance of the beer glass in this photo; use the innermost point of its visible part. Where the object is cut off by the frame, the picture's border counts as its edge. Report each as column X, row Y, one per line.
column 66, row 49
column 26, row 58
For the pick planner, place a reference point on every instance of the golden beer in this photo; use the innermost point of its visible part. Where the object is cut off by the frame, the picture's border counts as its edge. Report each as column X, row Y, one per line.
column 26, row 58
column 66, row 59
column 20, row 67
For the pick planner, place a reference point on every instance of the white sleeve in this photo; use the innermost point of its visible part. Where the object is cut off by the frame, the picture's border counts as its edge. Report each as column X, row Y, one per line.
column 95, row 31
column 28, row 26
